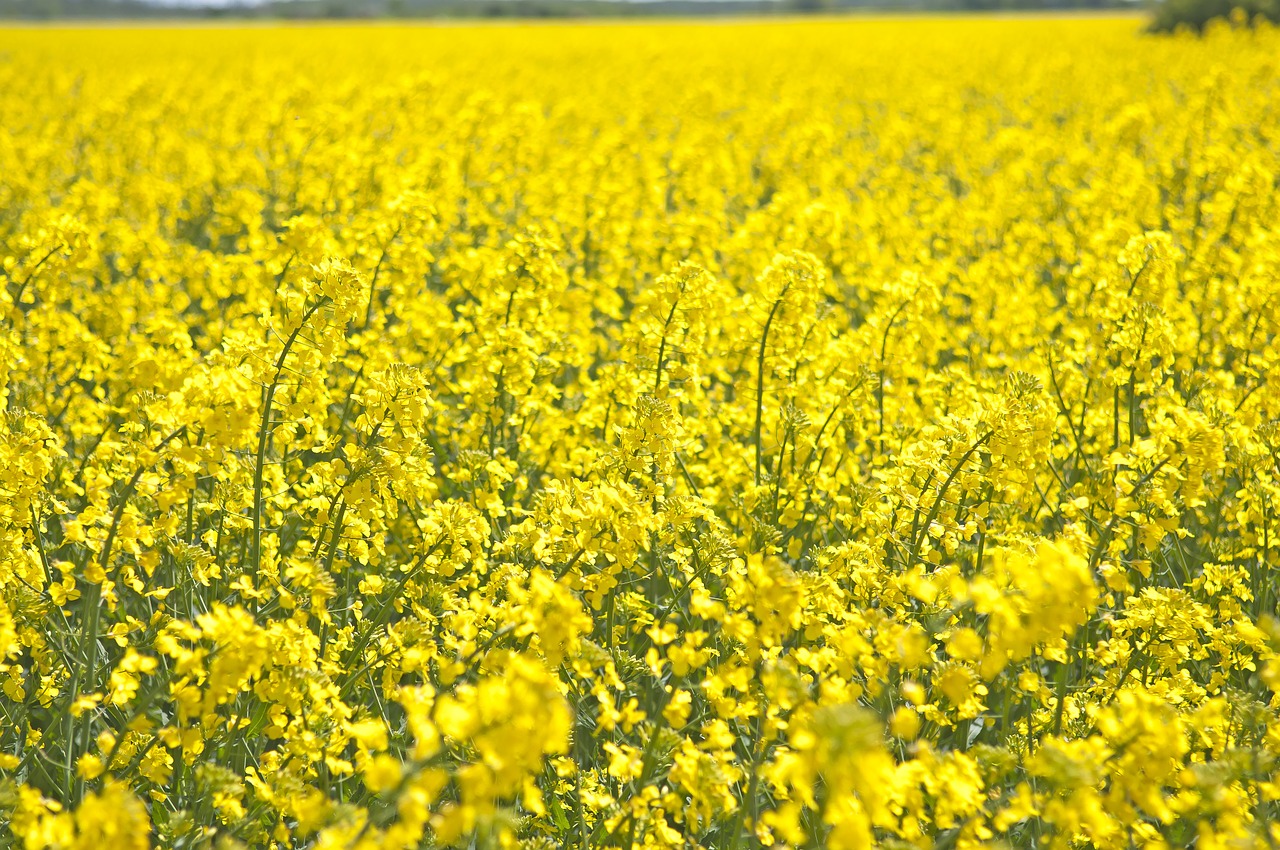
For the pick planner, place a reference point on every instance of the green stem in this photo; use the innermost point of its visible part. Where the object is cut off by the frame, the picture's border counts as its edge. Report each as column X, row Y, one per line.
column 764, row 339
column 264, row 435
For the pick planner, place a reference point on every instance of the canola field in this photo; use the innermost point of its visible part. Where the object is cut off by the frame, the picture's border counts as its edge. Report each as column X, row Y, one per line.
column 828, row 434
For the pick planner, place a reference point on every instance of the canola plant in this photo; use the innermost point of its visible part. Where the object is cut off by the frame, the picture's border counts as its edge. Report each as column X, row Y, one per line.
column 827, row 434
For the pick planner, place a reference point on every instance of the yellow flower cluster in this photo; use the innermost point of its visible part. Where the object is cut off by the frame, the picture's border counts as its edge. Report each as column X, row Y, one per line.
column 806, row 434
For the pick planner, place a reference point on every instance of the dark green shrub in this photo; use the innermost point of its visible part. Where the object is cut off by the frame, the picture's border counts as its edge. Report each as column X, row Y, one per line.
column 1195, row 14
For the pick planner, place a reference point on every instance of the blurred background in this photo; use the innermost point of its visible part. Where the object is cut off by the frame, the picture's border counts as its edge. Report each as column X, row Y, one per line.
column 1156, row 16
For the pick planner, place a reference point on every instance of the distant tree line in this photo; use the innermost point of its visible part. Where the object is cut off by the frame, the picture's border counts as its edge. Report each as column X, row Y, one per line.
column 1167, row 15
column 307, row 9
